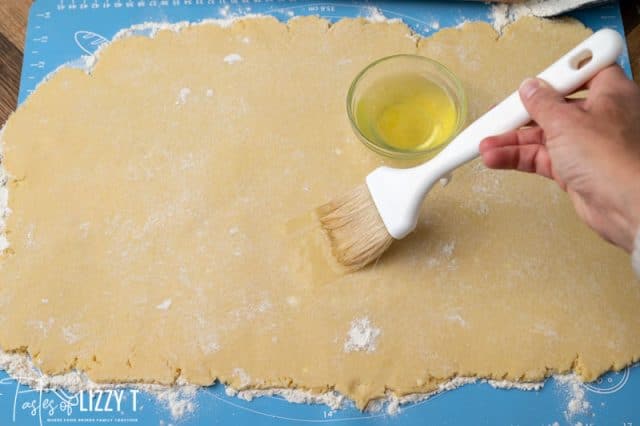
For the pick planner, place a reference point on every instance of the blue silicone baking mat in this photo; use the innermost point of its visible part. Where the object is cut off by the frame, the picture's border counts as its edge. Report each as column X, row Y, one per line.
column 61, row 31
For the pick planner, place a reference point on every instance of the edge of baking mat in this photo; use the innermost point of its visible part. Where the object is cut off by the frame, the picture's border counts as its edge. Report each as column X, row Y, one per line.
column 61, row 31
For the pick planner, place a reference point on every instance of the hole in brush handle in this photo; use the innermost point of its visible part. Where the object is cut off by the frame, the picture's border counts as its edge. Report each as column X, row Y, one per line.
column 584, row 61
column 581, row 59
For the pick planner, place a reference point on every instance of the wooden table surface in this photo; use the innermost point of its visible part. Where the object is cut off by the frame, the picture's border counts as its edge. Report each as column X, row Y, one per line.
column 13, row 22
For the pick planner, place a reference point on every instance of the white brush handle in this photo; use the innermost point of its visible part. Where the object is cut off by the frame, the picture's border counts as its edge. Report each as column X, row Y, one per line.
column 398, row 193
column 564, row 76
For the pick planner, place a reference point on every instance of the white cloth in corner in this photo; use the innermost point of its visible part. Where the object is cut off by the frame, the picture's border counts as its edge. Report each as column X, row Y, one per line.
column 549, row 8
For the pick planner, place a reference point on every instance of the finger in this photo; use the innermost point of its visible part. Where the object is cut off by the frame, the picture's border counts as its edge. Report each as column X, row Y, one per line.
column 525, row 136
column 580, row 103
column 532, row 158
column 544, row 104
column 604, row 78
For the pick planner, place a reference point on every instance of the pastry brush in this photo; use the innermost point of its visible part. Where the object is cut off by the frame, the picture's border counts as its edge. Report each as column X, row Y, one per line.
column 363, row 223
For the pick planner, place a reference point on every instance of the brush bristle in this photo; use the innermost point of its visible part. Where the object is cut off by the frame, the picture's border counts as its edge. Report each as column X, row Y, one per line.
column 356, row 230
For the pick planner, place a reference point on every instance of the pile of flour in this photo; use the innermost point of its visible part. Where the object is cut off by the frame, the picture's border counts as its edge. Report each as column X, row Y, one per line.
column 575, row 395
column 361, row 336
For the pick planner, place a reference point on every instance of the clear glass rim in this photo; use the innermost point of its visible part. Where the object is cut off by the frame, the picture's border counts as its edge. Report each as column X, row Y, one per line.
column 399, row 153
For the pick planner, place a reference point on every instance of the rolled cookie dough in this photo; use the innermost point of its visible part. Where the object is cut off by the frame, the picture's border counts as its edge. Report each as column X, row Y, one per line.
column 148, row 201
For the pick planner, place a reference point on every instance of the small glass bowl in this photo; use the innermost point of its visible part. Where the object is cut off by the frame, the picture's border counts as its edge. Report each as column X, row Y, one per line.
column 403, row 64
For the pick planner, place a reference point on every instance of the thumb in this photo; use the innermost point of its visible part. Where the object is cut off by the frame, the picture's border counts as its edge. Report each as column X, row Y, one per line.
column 541, row 101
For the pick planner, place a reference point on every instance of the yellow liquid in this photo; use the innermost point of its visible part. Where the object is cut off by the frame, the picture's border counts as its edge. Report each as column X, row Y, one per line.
column 406, row 112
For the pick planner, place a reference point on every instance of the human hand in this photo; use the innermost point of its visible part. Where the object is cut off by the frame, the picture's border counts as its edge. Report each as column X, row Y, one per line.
column 590, row 147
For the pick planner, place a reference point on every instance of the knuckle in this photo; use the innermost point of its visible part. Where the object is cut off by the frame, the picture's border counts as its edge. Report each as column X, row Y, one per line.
column 542, row 99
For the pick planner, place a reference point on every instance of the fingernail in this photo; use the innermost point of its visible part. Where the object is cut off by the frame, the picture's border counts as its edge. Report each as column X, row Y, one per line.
column 529, row 87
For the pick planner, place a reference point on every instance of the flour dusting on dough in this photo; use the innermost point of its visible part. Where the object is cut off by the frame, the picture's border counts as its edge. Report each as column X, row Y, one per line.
column 362, row 336
column 166, row 304
column 70, row 334
column 457, row 318
column 183, row 95
column 243, row 376
column 233, row 58
column 42, row 326
column 210, row 347
column 293, row 301
column 448, row 248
